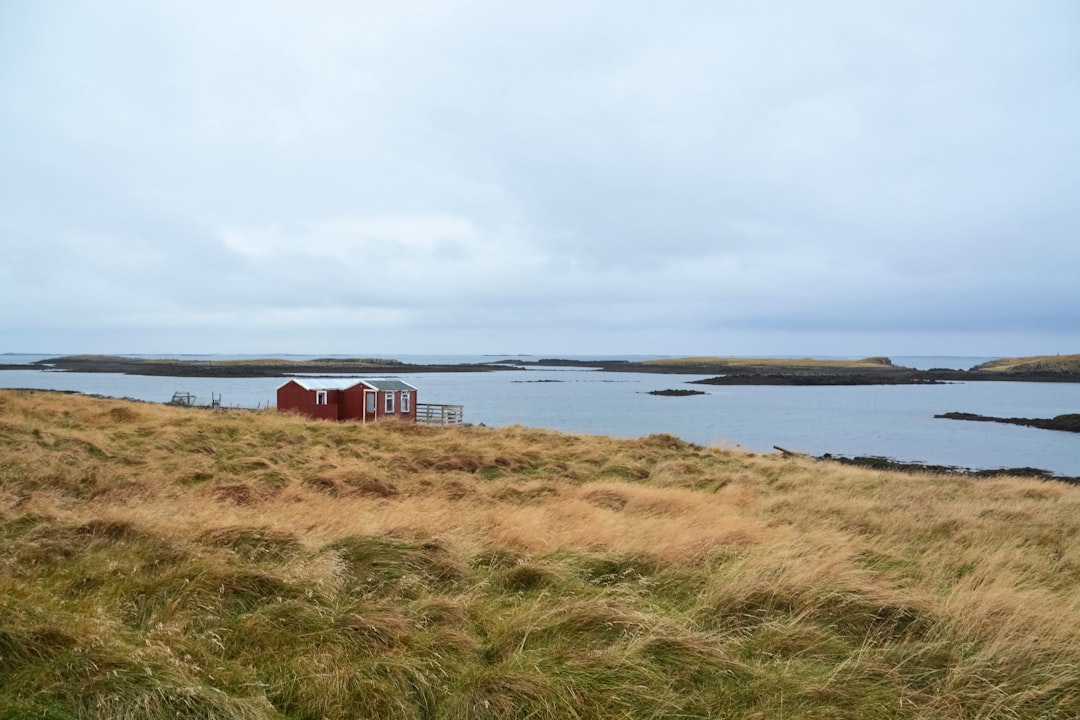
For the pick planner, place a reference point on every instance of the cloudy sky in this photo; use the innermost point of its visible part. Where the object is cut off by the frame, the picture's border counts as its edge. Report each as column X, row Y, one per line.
column 844, row 177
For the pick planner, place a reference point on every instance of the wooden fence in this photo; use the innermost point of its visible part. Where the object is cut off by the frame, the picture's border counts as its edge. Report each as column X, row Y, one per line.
column 433, row 414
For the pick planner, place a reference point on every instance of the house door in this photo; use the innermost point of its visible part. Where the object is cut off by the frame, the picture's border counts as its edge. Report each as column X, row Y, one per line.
column 369, row 404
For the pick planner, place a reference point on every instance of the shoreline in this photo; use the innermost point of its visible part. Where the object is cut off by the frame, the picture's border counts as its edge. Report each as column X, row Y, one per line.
column 874, row 462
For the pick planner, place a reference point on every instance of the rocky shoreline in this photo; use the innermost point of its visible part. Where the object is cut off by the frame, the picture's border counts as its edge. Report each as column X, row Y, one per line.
column 877, row 462
column 883, row 463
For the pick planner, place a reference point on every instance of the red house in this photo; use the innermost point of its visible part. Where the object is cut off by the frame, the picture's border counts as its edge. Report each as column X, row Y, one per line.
column 365, row 400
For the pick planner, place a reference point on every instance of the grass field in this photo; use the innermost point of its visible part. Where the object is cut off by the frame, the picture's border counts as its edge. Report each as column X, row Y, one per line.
column 160, row 562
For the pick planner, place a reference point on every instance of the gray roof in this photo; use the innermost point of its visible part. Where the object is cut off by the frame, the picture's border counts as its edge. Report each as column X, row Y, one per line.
column 388, row 384
column 346, row 383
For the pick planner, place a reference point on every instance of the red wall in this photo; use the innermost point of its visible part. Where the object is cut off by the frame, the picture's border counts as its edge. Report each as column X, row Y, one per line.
column 293, row 397
column 352, row 404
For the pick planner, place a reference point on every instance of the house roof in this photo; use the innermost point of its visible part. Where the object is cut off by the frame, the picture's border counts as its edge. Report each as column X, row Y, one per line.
column 388, row 384
column 346, row 383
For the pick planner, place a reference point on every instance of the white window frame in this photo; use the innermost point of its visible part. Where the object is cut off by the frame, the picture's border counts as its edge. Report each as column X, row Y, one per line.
column 404, row 402
column 320, row 397
column 389, row 407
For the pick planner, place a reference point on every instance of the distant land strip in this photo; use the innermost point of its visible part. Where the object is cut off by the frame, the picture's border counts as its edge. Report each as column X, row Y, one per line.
column 265, row 367
column 724, row 371
column 811, row 371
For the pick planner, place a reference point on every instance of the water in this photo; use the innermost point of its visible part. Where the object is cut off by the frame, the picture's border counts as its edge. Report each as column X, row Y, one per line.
column 891, row 420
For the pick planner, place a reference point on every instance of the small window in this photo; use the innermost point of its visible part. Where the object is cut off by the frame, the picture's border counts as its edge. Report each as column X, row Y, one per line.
column 389, row 403
column 404, row 401
column 320, row 397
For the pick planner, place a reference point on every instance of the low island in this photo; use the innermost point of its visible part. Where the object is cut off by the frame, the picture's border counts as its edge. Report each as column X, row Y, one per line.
column 723, row 371
column 1066, row 423
column 255, row 367
column 816, row 371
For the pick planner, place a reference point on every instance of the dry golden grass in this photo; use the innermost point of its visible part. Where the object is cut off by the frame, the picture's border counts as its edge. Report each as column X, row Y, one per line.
column 463, row 484
column 1040, row 363
column 411, row 571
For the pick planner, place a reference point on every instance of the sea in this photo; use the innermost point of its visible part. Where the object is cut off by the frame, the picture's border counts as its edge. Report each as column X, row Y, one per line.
column 893, row 421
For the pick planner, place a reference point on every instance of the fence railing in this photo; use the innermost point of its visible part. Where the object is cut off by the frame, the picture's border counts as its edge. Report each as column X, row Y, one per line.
column 433, row 414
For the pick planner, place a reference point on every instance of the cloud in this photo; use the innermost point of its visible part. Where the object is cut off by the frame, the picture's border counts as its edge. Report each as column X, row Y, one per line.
column 477, row 172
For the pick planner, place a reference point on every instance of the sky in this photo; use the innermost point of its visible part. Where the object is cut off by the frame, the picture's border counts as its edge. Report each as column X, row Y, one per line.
column 715, row 177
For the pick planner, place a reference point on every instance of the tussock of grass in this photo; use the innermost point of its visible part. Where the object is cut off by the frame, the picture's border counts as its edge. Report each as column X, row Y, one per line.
column 159, row 562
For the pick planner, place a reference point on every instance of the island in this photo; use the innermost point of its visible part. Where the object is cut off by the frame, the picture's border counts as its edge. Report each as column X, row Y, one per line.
column 676, row 392
column 1066, row 423
column 816, row 371
column 722, row 371
column 246, row 368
